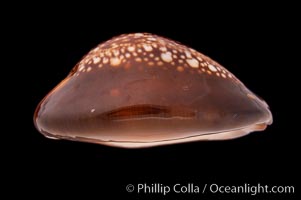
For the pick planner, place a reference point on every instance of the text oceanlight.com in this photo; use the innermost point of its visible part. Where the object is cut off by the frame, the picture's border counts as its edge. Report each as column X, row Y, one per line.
column 214, row 188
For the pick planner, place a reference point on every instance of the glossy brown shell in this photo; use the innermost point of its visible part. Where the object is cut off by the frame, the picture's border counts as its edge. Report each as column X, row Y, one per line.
column 141, row 90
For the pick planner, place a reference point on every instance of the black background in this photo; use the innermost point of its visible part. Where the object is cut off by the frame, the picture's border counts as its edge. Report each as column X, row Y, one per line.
column 254, row 43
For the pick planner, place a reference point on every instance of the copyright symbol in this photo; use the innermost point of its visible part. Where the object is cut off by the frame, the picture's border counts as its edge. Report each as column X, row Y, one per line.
column 130, row 188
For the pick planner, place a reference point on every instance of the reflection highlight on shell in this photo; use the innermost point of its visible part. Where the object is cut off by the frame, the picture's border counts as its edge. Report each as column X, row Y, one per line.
column 143, row 90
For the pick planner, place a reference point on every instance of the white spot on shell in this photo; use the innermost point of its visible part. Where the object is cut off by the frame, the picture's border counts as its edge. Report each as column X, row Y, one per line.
column 147, row 47
column 160, row 63
column 166, row 57
column 194, row 63
column 116, row 52
column 151, row 63
column 212, row 68
column 89, row 69
column 96, row 60
column 92, row 110
column 131, row 48
column 188, row 54
column 114, row 45
column 105, row 60
column 108, row 53
column 163, row 49
column 139, row 34
column 152, row 39
column 138, row 59
column 115, row 61
column 154, row 45
column 199, row 58
column 81, row 67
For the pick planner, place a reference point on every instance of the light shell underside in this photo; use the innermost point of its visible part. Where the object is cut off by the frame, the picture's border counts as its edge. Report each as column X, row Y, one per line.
column 143, row 90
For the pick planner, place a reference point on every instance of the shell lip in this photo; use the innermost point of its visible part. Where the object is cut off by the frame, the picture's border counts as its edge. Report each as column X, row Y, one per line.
column 216, row 136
